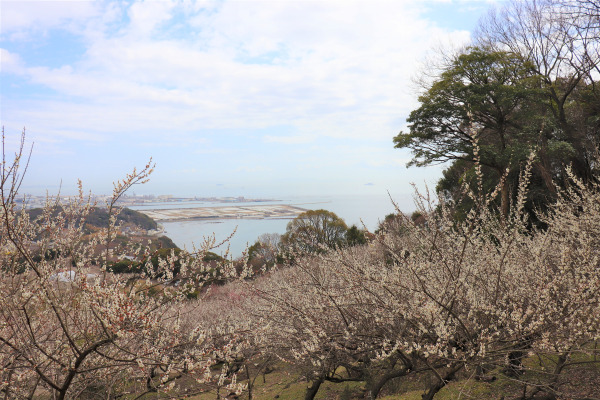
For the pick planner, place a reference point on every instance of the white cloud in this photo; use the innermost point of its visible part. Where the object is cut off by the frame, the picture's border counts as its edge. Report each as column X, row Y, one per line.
column 21, row 18
column 11, row 63
column 334, row 63
column 169, row 72
column 145, row 17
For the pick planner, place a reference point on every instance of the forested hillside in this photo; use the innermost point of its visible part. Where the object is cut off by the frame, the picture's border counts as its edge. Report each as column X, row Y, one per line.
column 99, row 218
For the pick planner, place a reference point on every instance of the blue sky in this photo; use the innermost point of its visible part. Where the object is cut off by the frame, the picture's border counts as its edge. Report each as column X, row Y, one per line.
column 251, row 98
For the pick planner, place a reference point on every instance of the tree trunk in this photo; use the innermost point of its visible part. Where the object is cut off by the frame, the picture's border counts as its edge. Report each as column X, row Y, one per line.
column 551, row 387
column 311, row 391
column 505, row 201
column 375, row 386
column 544, row 164
column 434, row 388
column 250, row 382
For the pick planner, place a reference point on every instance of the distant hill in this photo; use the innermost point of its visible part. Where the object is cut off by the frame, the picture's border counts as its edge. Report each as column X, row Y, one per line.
column 99, row 218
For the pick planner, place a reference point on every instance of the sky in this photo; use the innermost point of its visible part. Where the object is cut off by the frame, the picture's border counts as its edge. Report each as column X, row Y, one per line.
column 229, row 98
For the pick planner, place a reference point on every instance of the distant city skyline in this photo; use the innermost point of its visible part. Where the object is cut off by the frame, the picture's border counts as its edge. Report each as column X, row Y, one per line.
column 229, row 98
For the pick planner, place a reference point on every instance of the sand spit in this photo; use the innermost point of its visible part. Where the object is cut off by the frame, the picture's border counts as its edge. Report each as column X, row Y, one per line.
column 247, row 212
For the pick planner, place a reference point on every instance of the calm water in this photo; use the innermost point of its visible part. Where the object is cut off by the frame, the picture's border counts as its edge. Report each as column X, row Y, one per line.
column 369, row 209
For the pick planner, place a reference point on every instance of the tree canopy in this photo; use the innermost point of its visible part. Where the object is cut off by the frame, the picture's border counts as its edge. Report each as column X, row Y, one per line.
column 527, row 85
column 480, row 96
column 314, row 229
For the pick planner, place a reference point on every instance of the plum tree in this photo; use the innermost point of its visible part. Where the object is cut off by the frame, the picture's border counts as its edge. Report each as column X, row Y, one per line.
column 69, row 327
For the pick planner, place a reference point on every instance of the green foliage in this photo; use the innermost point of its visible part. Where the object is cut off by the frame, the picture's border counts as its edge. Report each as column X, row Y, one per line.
column 210, row 256
column 495, row 107
column 254, row 250
column 390, row 222
column 125, row 267
column 166, row 243
column 355, row 236
column 265, row 252
column 482, row 95
column 99, row 218
column 153, row 267
column 164, row 256
column 314, row 230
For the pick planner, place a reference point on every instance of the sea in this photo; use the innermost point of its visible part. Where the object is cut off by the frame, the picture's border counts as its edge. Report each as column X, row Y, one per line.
column 364, row 211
